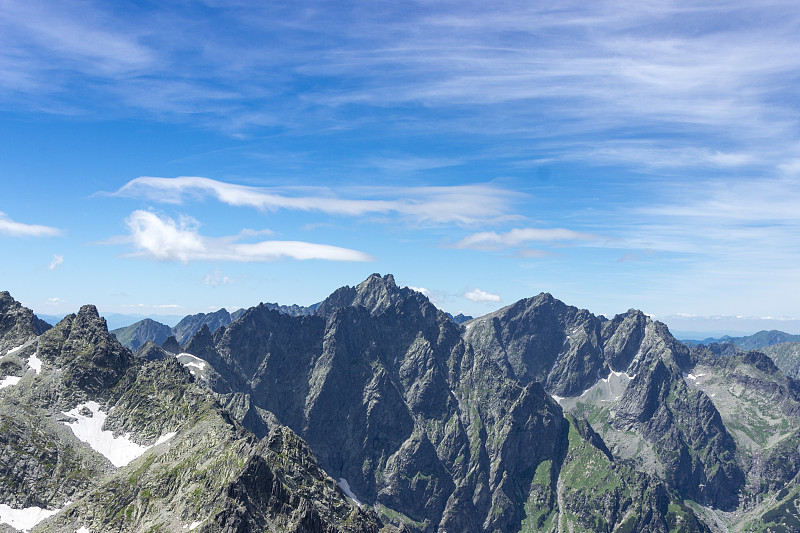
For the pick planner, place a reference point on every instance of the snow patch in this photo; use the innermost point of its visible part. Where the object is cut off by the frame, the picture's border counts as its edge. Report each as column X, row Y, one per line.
column 24, row 519
column 345, row 486
column 119, row 450
column 8, row 381
column 35, row 363
column 619, row 375
column 193, row 525
column 164, row 438
column 557, row 398
column 83, row 529
column 18, row 348
column 194, row 361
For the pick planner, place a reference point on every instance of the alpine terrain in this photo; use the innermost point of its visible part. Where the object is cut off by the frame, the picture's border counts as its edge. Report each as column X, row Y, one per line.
column 375, row 411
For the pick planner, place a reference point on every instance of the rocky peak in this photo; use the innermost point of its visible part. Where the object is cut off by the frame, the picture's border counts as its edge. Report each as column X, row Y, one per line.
column 201, row 342
column 151, row 351
column 18, row 324
column 376, row 293
column 92, row 359
column 191, row 324
column 171, row 344
column 760, row 361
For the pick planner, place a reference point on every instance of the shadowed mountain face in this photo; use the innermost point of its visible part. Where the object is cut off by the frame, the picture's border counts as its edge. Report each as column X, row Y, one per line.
column 446, row 426
column 136, row 335
column 537, row 417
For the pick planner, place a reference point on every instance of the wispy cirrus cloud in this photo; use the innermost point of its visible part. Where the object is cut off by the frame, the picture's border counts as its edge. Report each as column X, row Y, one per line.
column 460, row 204
column 56, row 262
column 162, row 238
column 217, row 278
column 578, row 72
column 518, row 237
column 19, row 229
column 152, row 306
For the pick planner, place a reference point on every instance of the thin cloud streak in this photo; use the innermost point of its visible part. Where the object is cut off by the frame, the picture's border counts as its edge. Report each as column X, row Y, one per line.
column 18, row 229
column 460, row 204
column 493, row 241
column 672, row 68
column 164, row 239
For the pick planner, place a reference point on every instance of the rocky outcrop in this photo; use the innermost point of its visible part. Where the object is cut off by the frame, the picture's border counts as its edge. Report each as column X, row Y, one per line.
column 18, row 324
column 191, row 324
column 687, row 433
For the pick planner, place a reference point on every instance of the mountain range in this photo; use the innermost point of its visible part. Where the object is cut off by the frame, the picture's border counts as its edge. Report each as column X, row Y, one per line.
column 761, row 339
column 376, row 411
column 137, row 334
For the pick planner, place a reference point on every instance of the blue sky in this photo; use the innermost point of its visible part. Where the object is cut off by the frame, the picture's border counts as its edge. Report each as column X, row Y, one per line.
column 175, row 159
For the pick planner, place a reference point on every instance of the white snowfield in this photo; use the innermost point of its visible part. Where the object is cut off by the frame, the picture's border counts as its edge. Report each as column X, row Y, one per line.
column 9, row 381
column 193, row 361
column 83, row 529
column 119, row 450
column 24, row 519
column 345, row 486
column 13, row 350
column 35, row 363
column 193, row 525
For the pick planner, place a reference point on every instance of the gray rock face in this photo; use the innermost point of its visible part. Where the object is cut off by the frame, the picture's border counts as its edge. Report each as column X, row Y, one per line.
column 191, row 324
column 196, row 466
column 171, row 345
column 18, row 324
column 438, row 425
column 688, row 434
column 433, row 425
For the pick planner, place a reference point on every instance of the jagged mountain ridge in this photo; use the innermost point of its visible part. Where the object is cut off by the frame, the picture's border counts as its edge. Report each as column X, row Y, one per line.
column 756, row 341
column 137, row 334
column 163, row 455
column 462, row 428
column 385, row 389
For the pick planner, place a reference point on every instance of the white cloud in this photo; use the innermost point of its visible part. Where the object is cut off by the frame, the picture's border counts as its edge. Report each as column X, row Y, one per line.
column 18, row 229
column 462, row 204
column 55, row 301
column 152, row 306
column 164, row 239
column 422, row 290
column 217, row 278
column 435, row 299
column 481, row 296
column 490, row 240
column 56, row 262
